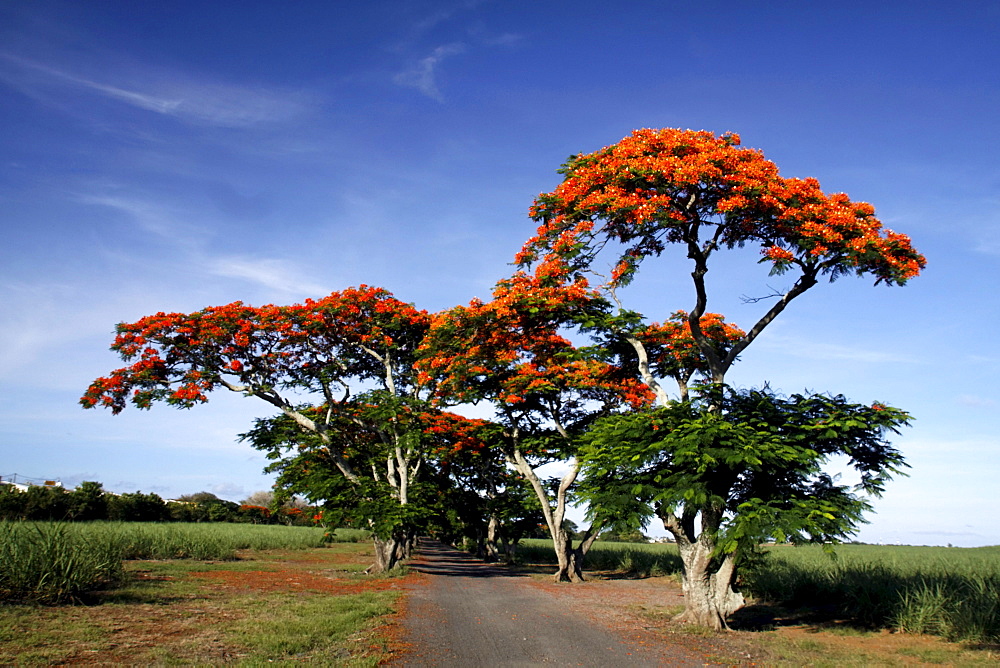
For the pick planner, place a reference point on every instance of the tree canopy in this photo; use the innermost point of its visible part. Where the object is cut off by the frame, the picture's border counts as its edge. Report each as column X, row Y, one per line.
column 707, row 193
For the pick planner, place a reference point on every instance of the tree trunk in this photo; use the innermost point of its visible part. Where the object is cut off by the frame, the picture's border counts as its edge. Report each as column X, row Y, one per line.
column 492, row 529
column 570, row 568
column 579, row 553
column 509, row 549
column 409, row 544
column 709, row 597
column 389, row 553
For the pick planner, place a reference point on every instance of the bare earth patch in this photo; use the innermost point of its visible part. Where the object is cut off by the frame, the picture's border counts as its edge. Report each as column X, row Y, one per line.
column 290, row 580
column 152, row 632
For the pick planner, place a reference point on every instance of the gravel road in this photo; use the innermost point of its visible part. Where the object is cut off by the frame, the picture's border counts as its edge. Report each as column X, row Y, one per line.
column 464, row 612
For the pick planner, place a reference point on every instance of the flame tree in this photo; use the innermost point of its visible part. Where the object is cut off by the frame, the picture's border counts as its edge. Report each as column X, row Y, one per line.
column 707, row 194
column 511, row 353
column 307, row 361
column 630, row 202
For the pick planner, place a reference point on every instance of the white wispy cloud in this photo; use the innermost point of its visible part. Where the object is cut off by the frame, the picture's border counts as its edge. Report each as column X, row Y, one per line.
column 973, row 401
column 152, row 217
column 503, row 39
column 798, row 347
column 423, row 74
column 274, row 274
column 170, row 94
column 190, row 236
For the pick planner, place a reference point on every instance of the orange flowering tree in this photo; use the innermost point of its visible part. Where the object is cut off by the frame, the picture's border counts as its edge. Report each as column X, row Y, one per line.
column 705, row 194
column 513, row 353
column 308, row 361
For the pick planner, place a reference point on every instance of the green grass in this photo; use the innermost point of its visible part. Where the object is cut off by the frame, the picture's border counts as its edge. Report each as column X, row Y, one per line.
column 169, row 613
column 283, row 629
column 52, row 562
column 637, row 559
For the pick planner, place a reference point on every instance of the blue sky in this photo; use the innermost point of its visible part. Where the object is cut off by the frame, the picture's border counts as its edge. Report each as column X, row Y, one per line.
column 171, row 156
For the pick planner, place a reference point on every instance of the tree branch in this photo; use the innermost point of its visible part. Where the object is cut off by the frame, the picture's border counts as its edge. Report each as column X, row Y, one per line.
column 640, row 351
column 804, row 282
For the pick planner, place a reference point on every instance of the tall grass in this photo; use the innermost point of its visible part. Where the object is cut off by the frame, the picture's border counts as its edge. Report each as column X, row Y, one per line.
column 208, row 541
column 52, row 562
column 950, row 592
column 49, row 563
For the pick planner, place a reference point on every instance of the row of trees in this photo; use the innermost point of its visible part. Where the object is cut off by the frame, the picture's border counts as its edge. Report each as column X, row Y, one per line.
column 89, row 501
column 362, row 381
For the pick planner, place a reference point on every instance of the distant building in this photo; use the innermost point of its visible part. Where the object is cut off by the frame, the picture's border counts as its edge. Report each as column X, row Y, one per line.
column 22, row 483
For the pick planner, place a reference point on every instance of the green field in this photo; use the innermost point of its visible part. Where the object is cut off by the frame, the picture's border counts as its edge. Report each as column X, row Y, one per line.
column 268, row 607
column 51, row 562
column 946, row 591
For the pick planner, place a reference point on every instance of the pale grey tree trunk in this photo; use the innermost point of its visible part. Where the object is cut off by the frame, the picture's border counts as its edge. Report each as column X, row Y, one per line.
column 709, row 597
column 570, row 568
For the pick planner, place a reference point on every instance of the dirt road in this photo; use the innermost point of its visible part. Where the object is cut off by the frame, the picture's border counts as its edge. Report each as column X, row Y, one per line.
column 464, row 612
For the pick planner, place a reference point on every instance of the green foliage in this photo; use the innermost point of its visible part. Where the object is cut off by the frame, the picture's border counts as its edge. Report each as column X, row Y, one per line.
column 44, row 502
column 202, row 507
column 306, row 467
column 88, row 502
column 367, row 432
column 752, row 457
column 137, row 507
column 11, row 503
